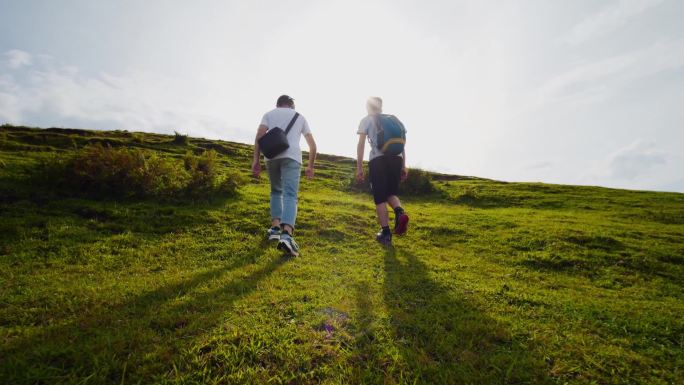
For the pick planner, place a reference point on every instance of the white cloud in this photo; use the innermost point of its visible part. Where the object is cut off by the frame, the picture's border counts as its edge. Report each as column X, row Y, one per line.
column 595, row 81
column 674, row 186
column 538, row 166
column 641, row 164
column 138, row 101
column 635, row 160
column 9, row 107
column 17, row 58
column 608, row 19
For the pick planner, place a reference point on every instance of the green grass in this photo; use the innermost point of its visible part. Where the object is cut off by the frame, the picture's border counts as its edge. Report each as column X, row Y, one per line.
column 495, row 283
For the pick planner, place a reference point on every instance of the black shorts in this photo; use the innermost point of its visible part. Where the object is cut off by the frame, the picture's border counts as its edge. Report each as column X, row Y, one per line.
column 385, row 173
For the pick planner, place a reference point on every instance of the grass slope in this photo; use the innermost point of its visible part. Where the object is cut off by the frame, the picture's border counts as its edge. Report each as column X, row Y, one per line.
column 495, row 283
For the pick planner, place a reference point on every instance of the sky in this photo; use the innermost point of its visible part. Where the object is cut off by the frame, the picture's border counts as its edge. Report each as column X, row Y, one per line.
column 574, row 92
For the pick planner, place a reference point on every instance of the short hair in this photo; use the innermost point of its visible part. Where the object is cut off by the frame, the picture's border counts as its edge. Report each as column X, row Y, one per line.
column 284, row 101
column 375, row 102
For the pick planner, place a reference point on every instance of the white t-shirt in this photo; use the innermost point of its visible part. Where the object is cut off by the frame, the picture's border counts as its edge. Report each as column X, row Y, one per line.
column 368, row 128
column 280, row 117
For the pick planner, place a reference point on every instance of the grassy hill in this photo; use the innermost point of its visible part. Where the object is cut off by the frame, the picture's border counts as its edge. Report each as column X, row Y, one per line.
column 495, row 283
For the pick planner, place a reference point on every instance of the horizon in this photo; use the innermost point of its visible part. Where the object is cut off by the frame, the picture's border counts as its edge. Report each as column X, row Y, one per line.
column 586, row 93
column 366, row 160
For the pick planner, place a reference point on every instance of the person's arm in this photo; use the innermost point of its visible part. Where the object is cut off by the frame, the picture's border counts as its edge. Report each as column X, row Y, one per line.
column 404, row 170
column 359, row 157
column 312, row 155
column 256, row 162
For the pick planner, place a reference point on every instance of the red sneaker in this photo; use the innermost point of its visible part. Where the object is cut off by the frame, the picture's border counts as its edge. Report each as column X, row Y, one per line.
column 401, row 224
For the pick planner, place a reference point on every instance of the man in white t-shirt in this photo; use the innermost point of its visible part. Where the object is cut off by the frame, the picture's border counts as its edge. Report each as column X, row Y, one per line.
column 284, row 170
column 385, row 173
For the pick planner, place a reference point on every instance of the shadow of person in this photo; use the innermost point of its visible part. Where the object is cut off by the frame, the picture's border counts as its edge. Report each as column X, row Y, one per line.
column 139, row 339
column 445, row 338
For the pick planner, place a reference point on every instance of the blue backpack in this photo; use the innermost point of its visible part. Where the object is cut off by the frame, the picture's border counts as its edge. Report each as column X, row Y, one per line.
column 391, row 136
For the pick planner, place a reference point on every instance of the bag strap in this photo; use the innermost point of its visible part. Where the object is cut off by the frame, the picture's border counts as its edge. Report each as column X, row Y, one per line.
column 292, row 122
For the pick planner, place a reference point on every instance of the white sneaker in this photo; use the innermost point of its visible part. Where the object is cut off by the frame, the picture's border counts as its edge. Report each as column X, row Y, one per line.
column 273, row 233
column 288, row 244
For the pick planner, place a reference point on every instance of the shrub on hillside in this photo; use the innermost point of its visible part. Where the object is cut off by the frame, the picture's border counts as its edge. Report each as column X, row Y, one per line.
column 356, row 186
column 131, row 172
column 202, row 170
column 418, row 182
column 127, row 172
column 180, row 139
column 53, row 173
column 231, row 183
column 137, row 137
column 160, row 177
column 469, row 194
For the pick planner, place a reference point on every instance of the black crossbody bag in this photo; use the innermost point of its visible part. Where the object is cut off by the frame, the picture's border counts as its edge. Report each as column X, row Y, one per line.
column 274, row 142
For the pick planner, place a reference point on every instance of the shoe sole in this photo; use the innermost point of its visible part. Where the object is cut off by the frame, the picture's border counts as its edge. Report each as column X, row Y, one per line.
column 385, row 244
column 274, row 237
column 287, row 248
column 403, row 225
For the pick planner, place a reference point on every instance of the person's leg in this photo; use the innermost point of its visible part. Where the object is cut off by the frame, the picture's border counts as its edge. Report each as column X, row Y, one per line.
column 291, row 172
column 394, row 165
column 393, row 201
column 378, row 178
column 383, row 215
column 275, row 177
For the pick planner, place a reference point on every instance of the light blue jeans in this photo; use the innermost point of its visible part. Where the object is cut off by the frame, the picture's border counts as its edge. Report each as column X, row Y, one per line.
column 284, row 175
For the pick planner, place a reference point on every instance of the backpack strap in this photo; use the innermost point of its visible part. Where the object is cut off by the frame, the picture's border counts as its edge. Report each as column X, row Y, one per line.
column 379, row 129
column 376, row 120
column 292, row 122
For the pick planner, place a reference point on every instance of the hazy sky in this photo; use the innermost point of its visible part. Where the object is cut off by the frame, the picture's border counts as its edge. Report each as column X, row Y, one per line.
column 577, row 92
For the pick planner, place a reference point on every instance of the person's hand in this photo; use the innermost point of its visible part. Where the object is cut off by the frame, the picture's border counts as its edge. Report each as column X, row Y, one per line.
column 404, row 174
column 256, row 168
column 359, row 176
column 309, row 173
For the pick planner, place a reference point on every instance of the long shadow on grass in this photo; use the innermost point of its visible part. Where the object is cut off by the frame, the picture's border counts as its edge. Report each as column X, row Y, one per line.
column 134, row 340
column 65, row 227
column 444, row 339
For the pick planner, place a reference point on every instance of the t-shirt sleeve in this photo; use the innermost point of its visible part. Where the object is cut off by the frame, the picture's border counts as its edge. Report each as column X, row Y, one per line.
column 363, row 127
column 264, row 121
column 305, row 127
